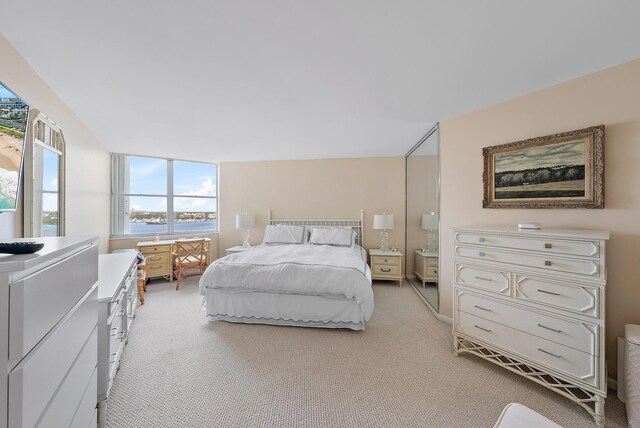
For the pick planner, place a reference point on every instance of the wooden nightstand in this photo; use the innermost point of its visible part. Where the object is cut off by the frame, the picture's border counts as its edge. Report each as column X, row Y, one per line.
column 238, row 249
column 426, row 266
column 386, row 265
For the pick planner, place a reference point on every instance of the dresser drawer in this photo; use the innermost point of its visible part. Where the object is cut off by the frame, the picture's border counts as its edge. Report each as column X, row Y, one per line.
column 381, row 270
column 155, row 249
column 382, row 260
column 565, row 360
column 551, row 263
column 581, row 299
column 40, row 374
column 574, row 334
column 487, row 279
column 549, row 246
column 39, row 301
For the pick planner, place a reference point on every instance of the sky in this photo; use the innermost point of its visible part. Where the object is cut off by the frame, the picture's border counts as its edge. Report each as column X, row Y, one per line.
column 149, row 176
column 5, row 93
column 569, row 153
column 50, row 180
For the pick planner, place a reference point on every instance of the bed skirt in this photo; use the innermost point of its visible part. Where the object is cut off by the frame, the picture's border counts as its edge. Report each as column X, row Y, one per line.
column 259, row 307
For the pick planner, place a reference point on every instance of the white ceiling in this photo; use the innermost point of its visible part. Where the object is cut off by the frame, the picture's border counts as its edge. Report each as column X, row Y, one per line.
column 254, row 80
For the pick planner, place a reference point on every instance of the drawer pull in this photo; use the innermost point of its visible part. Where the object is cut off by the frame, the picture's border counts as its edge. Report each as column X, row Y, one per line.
column 481, row 308
column 549, row 328
column 550, row 353
column 481, row 239
column 385, row 270
column 483, row 279
column 549, row 292
column 155, row 258
column 481, row 254
column 547, row 246
column 155, row 267
column 482, row 328
column 113, row 354
column 547, row 263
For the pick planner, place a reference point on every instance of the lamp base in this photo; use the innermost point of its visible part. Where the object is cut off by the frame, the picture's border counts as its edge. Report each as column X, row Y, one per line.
column 432, row 242
column 245, row 238
column 384, row 241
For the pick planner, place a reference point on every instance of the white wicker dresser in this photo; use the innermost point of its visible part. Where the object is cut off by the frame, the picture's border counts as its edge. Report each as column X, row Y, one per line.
column 532, row 301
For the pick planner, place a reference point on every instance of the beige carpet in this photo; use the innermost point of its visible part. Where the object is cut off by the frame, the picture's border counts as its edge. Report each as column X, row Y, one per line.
column 178, row 370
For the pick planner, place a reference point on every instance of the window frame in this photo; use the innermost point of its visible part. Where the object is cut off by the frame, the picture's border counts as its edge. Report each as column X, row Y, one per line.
column 119, row 170
column 42, row 126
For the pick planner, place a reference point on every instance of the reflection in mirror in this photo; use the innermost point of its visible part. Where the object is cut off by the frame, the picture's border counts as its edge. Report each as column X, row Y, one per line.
column 422, row 217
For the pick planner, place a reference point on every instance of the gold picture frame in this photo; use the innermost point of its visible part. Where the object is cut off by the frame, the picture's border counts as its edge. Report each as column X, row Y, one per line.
column 563, row 170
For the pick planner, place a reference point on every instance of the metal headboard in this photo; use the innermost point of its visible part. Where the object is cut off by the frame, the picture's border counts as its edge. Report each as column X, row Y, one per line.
column 356, row 225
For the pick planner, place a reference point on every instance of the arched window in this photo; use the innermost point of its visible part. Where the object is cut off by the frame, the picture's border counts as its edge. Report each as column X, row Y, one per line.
column 44, row 179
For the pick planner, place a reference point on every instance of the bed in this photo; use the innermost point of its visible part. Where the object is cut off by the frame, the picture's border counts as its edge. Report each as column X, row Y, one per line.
column 321, row 281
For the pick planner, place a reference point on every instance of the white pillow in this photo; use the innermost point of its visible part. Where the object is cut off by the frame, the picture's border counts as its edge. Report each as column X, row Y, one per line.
column 336, row 236
column 278, row 234
column 353, row 237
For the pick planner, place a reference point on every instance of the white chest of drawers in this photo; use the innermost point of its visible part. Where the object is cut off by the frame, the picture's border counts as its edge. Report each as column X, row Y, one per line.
column 532, row 301
column 117, row 302
column 48, row 335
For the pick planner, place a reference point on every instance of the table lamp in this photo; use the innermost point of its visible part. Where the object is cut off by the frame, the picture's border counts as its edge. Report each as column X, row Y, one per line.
column 383, row 222
column 245, row 222
column 430, row 224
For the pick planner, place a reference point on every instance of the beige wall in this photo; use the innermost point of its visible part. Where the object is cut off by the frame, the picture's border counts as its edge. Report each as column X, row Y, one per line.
column 312, row 189
column 422, row 198
column 88, row 164
column 610, row 97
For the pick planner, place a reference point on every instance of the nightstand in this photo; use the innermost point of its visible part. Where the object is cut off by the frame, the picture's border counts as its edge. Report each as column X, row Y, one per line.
column 426, row 266
column 238, row 249
column 386, row 265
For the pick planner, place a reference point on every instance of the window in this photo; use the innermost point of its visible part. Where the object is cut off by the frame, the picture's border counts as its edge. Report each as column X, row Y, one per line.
column 153, row 196
column 44, row 165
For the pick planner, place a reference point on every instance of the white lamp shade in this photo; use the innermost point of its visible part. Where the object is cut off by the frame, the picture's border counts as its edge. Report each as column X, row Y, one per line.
column 244, row 221
column 383, row 221
column 430, row 221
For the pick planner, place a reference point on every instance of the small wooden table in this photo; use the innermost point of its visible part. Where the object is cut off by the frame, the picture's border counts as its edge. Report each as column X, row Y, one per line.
column 386, row 265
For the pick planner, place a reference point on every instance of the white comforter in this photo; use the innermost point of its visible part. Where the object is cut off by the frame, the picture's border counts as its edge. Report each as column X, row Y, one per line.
column 296, row 269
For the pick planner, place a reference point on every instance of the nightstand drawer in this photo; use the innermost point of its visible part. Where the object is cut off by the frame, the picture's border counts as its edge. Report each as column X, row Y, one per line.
column 155, row 249
column 386, row 270
column 382, row 260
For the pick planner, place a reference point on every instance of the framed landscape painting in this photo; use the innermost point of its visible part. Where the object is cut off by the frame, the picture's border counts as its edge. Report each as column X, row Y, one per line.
column 564, row 170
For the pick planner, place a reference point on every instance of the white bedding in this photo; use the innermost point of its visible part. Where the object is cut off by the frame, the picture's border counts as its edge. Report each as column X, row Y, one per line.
column 329, row 274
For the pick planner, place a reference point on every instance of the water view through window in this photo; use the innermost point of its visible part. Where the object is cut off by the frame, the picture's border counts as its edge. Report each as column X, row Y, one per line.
column 194, row 200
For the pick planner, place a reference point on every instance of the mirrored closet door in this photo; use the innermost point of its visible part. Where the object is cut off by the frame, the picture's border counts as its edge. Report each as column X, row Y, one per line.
column 422, row 240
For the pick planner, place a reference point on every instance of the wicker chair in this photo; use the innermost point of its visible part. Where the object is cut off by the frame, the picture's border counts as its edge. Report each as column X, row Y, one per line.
column 189, row 254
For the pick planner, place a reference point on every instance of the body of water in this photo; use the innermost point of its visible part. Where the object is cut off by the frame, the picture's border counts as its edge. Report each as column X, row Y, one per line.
column 152, row 229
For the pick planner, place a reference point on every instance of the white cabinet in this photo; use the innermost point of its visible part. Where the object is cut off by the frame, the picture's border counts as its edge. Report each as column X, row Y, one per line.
column 532, row 301
column 48, row 334
column 117, row 300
